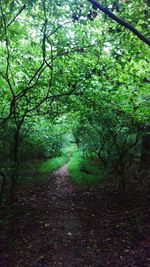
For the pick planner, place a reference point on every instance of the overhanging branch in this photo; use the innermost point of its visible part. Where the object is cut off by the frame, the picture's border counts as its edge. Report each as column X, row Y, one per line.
column 122, row 22
column 19, row 12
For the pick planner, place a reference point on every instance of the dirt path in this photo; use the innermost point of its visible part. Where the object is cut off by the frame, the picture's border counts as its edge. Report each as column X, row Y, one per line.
column 58, row 224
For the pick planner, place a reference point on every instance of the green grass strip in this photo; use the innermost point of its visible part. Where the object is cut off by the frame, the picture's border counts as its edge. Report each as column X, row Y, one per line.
column 77, row 164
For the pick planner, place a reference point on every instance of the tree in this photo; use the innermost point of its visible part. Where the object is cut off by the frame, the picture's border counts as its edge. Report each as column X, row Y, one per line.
column 121, row 21
column 62, row 56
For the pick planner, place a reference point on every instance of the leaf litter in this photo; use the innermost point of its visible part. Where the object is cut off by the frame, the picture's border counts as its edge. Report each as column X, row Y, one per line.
column 60, row 224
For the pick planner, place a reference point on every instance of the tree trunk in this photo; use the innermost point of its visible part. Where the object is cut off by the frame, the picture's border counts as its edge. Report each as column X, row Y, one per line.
column 3, row 185
column 14, row 176
column 145, row 152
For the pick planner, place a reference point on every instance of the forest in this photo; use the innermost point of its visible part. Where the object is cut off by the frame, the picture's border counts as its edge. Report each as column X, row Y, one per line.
column 74, row 133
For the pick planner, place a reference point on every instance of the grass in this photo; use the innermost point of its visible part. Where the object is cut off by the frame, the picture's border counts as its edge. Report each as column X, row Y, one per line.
column 39, row 171
column 51, row 165
column 83, row 171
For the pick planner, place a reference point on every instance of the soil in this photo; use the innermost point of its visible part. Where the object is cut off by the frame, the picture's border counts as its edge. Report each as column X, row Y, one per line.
column 60, row 224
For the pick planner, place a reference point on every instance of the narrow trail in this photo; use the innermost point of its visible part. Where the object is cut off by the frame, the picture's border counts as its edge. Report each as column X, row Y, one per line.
column 59, row 224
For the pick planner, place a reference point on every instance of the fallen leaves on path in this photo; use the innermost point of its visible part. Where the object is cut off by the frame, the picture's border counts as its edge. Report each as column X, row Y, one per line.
column 58, row 224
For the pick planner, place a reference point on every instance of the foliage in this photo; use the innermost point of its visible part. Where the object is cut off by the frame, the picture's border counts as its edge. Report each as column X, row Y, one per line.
column 39, row 171
column 44, row 141
column 52, row 164
column 83, row 171
column 65, row 66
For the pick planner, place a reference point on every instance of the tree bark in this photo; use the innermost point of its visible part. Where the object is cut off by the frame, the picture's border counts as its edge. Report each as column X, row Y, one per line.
column 15, row 167
column 3, row 185
column 145, row 153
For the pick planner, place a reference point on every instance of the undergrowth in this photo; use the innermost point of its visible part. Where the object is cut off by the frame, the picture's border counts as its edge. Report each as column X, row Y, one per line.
column 84, row 170
column 39, row 171
column 51, row 165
